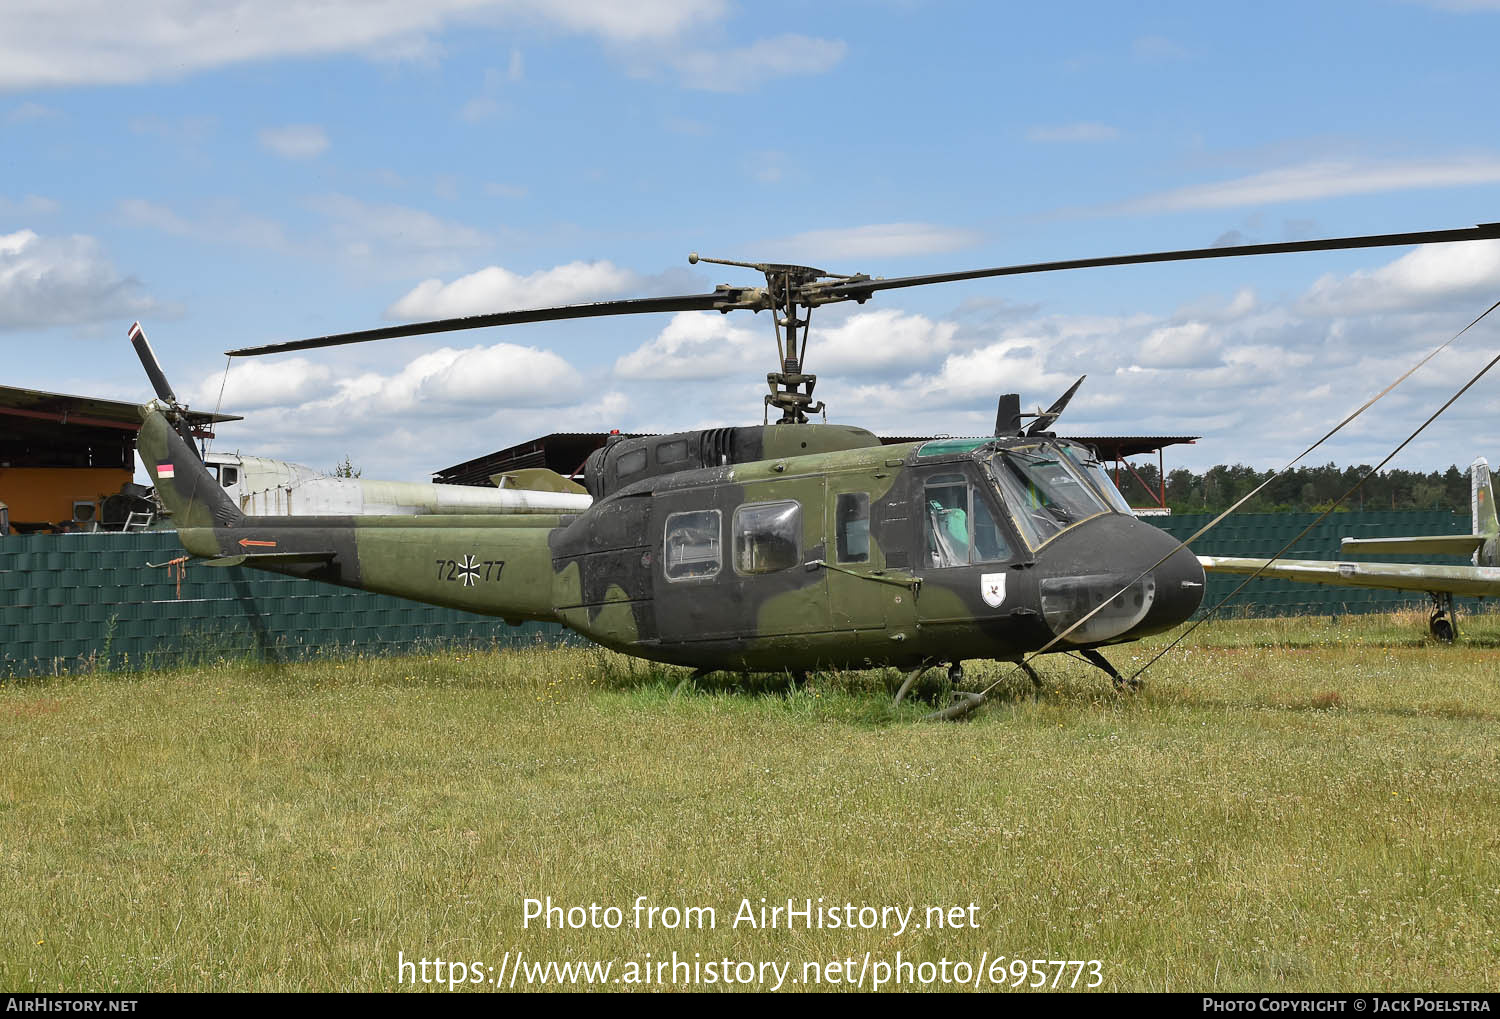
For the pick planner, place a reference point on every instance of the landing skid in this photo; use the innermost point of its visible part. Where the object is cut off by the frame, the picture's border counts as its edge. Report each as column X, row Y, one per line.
column 964, row 701
column 1097, row 660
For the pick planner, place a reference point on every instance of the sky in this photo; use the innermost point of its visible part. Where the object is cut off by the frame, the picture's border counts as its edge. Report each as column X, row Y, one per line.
column 233, row 174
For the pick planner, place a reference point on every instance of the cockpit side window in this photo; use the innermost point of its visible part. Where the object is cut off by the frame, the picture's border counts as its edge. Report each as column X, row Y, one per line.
column 959, row 527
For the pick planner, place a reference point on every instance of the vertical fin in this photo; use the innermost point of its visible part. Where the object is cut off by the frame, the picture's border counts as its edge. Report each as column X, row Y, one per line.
column 1008, row 414
column 183, row 484
column 1482, row 494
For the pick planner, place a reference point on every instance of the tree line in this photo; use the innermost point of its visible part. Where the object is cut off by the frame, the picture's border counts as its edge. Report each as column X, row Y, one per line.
column 1300, row 490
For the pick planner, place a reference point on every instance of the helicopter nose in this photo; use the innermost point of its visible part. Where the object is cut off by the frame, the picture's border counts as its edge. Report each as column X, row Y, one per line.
column 1112, row 561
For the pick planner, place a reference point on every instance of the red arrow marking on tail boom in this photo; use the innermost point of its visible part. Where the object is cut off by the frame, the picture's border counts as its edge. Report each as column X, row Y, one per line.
column 246, row 543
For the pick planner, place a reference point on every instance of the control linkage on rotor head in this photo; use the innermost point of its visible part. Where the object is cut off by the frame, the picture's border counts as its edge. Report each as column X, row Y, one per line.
column 789, row 289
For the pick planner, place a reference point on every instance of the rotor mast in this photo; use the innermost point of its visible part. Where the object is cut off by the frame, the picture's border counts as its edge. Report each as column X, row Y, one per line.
column 792, row 291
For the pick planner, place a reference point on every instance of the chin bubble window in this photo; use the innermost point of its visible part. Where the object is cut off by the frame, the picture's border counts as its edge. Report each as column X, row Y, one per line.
column 767, row 537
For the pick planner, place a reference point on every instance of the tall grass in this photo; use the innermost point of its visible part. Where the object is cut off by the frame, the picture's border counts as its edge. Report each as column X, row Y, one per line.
column 1286, row 805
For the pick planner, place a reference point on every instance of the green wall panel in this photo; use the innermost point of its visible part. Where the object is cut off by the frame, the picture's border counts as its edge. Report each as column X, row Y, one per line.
column 1261, row 535
column 76, row 601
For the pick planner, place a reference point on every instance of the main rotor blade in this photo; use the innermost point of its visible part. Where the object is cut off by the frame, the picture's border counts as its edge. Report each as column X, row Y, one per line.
column 863, row 288
column 634, row 306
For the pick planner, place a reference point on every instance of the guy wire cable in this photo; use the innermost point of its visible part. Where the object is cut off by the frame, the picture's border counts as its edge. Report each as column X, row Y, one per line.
column 1321, row 516
column 217, row 405
column 1026, row 660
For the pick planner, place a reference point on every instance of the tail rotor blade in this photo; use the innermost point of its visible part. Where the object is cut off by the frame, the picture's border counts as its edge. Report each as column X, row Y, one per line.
column 1008, row 414
column 151, row 364
column 163, row 388
column 1044, row 420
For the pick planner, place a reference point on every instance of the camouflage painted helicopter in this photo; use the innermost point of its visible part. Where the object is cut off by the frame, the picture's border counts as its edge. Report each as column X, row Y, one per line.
column 789, row 546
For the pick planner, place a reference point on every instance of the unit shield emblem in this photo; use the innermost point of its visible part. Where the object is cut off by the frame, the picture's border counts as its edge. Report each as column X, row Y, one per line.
column 992, row 589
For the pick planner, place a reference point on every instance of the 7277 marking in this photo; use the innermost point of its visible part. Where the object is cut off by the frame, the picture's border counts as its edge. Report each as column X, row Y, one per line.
column 470, row 571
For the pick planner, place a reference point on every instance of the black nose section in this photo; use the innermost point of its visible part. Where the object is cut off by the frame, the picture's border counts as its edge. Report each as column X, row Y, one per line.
column 1110, row 564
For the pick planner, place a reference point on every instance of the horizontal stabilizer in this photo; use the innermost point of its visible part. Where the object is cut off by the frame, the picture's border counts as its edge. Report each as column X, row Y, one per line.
column 268, row 558
column 1435, row 544
column 1463, row 580
column 537, row 479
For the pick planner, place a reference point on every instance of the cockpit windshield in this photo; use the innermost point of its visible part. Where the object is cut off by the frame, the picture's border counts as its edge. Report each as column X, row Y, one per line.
column 1044, row 491
column 1088, row 464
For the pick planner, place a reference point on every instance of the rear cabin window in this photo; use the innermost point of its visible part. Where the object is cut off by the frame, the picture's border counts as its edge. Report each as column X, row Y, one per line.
column 767, row 536
column 852, row 516
column 691, row 549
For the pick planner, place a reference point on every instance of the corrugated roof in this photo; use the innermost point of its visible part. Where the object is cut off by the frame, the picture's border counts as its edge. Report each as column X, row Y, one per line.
column 63, row 408
column 565, row 452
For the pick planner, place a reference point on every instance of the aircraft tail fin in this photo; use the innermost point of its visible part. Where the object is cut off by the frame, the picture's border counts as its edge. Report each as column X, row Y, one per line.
column 183, row 484
column 1486, row 525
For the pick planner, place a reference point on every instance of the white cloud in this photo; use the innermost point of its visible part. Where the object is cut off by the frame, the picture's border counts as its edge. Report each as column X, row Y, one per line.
column 1432, row 273
column 253, row 384
column 1081, row 132
column 221, row 223
column 31, row 205
column 48, row 44
column 436, row 383
column 395, row 239
column 488, row 103
column 1010, row 366
column 708, row 345
column 696, row 345
column 46, row 281
column 295, row 141
column 874, row 341
column 739, row 70
column 632, row 22
column 1188, row 345
column 876, row 240
column 1326, row 179
column 497, row 289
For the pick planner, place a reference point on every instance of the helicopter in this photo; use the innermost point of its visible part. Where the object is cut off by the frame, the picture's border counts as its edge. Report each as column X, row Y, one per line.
column 790, row 546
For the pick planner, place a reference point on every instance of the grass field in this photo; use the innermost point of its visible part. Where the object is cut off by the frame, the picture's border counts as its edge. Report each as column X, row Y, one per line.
column 1287, row 805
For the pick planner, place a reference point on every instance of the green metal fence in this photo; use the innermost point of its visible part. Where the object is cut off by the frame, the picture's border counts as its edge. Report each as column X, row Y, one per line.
column 88, row 600
column 1261, row 535
column 74, row 601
